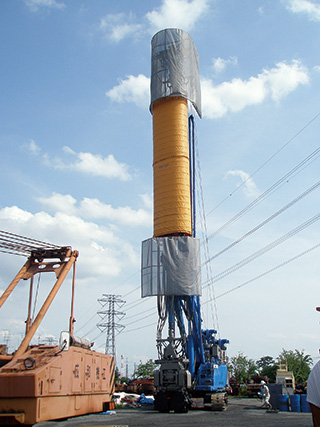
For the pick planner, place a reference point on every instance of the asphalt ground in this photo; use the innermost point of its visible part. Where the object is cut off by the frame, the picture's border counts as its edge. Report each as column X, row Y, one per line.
column 240, row 412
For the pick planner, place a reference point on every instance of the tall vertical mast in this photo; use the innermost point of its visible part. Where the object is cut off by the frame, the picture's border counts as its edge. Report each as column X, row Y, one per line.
column 174, row 81
column 171, row 259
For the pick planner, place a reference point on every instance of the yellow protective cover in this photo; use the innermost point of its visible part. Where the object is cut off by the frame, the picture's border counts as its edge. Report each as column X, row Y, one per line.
column 171, row 170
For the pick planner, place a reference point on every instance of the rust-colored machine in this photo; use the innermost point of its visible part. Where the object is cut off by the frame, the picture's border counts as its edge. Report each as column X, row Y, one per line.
column 42, row 382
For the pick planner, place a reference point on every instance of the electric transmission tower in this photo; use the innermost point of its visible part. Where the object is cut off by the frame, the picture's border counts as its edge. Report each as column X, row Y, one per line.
column 110, row 316
column 6, row 336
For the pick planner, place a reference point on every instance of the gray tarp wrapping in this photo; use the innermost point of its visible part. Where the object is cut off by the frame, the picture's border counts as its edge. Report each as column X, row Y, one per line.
column 170, row 266
column 175, row 67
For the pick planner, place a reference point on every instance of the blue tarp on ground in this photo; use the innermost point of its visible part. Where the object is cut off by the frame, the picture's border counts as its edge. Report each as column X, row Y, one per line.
column 145, row 400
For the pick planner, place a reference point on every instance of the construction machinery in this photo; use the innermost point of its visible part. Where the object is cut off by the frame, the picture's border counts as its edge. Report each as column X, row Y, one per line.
column 46, row 382
column 193, row 371
column 253, row 384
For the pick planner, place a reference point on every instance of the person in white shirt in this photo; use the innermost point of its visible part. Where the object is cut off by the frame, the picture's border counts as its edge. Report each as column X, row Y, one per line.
column 313, row 393
column 265, row 395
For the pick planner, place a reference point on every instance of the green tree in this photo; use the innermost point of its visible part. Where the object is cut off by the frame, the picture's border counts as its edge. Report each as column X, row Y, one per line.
column 265, row 361
column 298, row 362
column 268, row 367
column 117, row 374
column 145, row 369
column 241, row 367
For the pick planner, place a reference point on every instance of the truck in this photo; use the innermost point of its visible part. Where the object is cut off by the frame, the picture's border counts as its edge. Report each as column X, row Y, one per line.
column 253, row 384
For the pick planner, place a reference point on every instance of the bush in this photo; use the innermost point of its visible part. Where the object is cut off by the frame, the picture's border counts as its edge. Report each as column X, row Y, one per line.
column 243, row 391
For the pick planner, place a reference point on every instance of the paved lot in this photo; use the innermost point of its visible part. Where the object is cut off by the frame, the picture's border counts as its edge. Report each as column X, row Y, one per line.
column 240, row 412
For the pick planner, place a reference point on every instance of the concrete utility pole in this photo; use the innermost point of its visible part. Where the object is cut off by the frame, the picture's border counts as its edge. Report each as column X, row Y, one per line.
column 110, row 315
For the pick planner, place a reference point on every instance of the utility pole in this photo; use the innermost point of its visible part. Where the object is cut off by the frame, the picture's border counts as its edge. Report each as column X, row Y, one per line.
column 127, row 368
column 110, row 315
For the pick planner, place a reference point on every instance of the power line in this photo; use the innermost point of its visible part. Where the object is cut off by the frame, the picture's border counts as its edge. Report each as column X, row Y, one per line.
column 265, row 163
column 238, row 265
column 142, row 327
column 265, row 249
column 133, row 290
column 267, row 272
column 266, row 221
column 250, row 206
column 295, row 169
column 125, row 280
column 91, row 330
column 291, row 173
column 91, row 318
column 138, row 302
column 146, row 311
column 267, row 192
column 139, row 320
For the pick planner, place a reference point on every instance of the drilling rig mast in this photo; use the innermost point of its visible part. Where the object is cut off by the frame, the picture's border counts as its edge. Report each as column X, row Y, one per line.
column 192, row 361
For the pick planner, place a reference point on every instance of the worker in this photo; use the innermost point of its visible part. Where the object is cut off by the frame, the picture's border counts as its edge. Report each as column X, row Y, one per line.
column 313, row 393
column 265, row 395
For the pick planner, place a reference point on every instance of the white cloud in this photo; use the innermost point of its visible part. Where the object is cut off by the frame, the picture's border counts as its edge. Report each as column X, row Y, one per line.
column 102, row 252
column 97, row 165
column 220, row 64
column 33, row 148
column 59, row 203
column 311, row 9
column 95, row 209
column 35, row 5
column 15, row 215
column 117, row 28
column 249, row 187
column 234, row 96
column 147, row 200
column 177, row 13
column 172, row 13
column 285, row 78
column 230, row 96
column 91, row 164
column 134, row 89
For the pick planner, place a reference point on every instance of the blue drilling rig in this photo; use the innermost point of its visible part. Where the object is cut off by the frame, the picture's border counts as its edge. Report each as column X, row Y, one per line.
column 192, row 362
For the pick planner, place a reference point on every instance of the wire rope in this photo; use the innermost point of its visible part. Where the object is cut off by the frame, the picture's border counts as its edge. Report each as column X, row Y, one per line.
column 20, row 245
column 213, row 310
column 36, row 297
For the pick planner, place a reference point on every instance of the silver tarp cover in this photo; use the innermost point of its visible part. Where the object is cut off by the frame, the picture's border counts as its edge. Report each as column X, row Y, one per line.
column 175, row 67
column 170, row 266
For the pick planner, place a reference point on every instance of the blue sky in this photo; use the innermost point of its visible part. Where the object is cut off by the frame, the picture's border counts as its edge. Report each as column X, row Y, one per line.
column 76, row 161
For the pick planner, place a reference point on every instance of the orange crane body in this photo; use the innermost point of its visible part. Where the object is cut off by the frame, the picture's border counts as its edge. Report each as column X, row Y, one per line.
column 40, row 383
